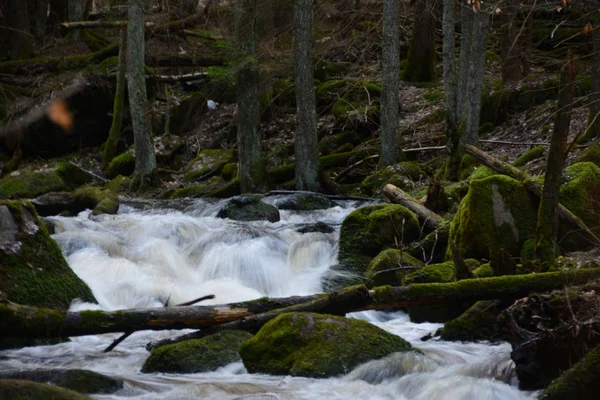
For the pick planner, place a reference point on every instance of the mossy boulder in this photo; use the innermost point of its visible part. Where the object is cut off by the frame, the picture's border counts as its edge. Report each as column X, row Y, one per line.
column 79, row 380
column 477, row 323
column 304, row 202
column 390, row 266
column 197, row 355
column 318, row 346
column 497, row 213
column 530, row 155
column 32, row 268
column 167, row 147
column 591, row 154
column 11, row 389
column 72, row 175
column 189, row 111
column 369, row 230
column 229, row 171
column 442, row 273
column 433, row 247
column 54, row 203
column 198, row 189
column 120, row 184
column 123, row 164
column 333, row 144
column 248, row 208
column 484, row 271
column 99, row 200
column 207, row 163
column 373, row 183
column 30, row 183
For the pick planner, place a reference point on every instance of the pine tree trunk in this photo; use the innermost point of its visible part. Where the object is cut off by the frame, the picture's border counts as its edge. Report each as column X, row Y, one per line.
column 509, row 43
column 450, row 90
column 594, row 118
column 307, row 150
column 110, row 147
column 546, row 246
column 390, row 69
column 145, row 161
column 467, row 18
column 252, row 172
column 19, row 40
column 420, row 66
column 40, row 18
column 75, row 14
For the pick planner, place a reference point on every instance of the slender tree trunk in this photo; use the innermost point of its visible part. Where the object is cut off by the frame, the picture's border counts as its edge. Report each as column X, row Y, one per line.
column 546, row 246
column 17, row 32
column 390, row 80
column 110, row 147
column 420, row 66
column 145, row 161
column 75, row 14
column 252, row 173
column 450, row 89
column 59, row 13
column 594, row 118
column 307, row 149
column 510, row 45
column 40, row 13
column 467, row 18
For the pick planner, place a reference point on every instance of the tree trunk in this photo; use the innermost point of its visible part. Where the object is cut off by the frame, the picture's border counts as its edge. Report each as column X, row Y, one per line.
column 467, row 21
column 594, row 118
column 24, row 321
column 397, row 195
column 390, row 68
column 16, row 35
column 307, row 149
column 509, row 44
column 75, row 14
column 252, row 173
column 420, row 66
column 145, row 161
column 40, row 14
column 110, row 147
column 546, row 247
column 450, row 90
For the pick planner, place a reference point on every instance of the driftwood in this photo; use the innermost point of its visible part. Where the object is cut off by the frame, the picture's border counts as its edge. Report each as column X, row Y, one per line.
column 26, row 321
column 397, row 195
column 533, row 187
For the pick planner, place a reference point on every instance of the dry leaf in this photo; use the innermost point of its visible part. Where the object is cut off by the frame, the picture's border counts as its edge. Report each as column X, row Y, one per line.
column 59, row 113
column 588, row 29
column 498, row 10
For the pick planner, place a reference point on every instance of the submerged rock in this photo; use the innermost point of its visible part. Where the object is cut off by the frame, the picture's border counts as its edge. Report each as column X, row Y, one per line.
column 248, row 208
column 11, row 389
column 304, row 202
column 79, row 380
column 197, row 355
column 477, row 323
column 319, row 346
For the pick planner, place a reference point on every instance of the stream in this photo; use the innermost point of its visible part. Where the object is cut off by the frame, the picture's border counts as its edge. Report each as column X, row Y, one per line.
column 153, row 252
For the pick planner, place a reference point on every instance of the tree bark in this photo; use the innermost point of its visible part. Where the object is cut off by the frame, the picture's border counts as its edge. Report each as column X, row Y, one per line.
column 509, row 44
column 145, row 161
column 594, row 118
column 252, row 173
column 306, row 146
column 40, row 18
column 110, row 147
column 75, row 14
column 420, row 65
column 450, row 90
column 397, row 195
column 17, row 36
column 546, row 246
column 25, row 321
column 390, row 69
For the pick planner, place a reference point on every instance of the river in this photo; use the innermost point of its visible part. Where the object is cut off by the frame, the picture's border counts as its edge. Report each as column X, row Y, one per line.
column 153, row 252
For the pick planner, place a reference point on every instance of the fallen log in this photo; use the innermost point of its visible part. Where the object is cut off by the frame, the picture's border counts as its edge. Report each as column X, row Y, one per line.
column 25, row 321
column 397, row 195
column 533, row 187
column 98, row 24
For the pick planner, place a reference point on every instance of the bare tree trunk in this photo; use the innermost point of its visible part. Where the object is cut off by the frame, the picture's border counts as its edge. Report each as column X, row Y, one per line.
column 390, row 68
column 145, row 161
column 16, row 35
column 253, row 176
column 40, row 18
column 450, row 90
column 307, row 149
column 509, row 44
column 110, row 147
column 420, row 66
column 75, row 14
column 546, row 246
column 594, row 118
column 467, row 20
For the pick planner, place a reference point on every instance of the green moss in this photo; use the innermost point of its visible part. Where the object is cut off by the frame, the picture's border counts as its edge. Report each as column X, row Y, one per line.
column 484, row 271
column 123, row 164
column 229, row 171
column 198, row 190
column 591, row 154
column 30, row 183
column 248, row 207
column 434, row 96
column 197, row 355
column 119, row 184
column 443, row 272
column 11, row 389
column 207, row 163
column 313, row 345
column 529, row 155
column 390, row 266
column 477, row 323
column 481, row 173
column 99, row 200
column 331, row 144
column 72, row 175
column 468, row 164
column 228, row 190
column 373, row 183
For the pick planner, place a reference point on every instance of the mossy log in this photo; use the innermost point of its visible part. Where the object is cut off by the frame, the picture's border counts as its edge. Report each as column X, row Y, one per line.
column 24, row 321
column 533, row 187
column 397, row 195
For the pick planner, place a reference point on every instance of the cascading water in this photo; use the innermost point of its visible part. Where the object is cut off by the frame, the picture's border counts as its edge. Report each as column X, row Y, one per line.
column 148, row 255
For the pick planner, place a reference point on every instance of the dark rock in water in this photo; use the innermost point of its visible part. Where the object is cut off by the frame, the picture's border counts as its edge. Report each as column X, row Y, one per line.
column 304, row 202
column 20, row 342
column 197, row 355
column 314, row 345
column 320, row 227
column 79, row 380
column 477, row 323
column 54, row 203
column 248, row 208
column 11, row 389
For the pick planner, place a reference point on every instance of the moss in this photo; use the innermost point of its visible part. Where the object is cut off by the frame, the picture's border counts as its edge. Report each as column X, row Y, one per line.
column 443, row 272
column 229, row 171
column 197, row 355
column 11, row 389
column 468, row 164
column 99, row 200
column 497, row 213
column 477, row 323
column 72, row 175
column 30, row 183
column 434, row 96
column 248, row 208
column 313, row 345
column 373, row 183
column 484, row 271
column 591, row 154
column 119, row 184
column 332, row 143
column 123, row 164
column 37, row 274
column 305, row 202
column 455, row 192
column 228, row 190
column 198, row 190
column 529, row 155
column 390, row 266
column 481, row 173
column 207, row 163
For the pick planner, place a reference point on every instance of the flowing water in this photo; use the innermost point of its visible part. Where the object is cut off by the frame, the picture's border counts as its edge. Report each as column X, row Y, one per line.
column 153, row 252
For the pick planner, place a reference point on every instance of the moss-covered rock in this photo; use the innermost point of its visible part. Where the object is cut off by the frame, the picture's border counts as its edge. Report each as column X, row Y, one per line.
column 79, row 380
column 304, row 202
column 390, row 266
column 11, row 389
column 591, row 154
column 54, row 203
column 207, row 163
column 199, row 189
column 123, row 164
column 477, row 323
column 72, row 175
column 484, row 271
column 30, row 183
column 443, row 273
column 197, row 355
column 32, row 268
column 313, row 345
column 100, row 201
column 497, row 213
column 229, row 171
column 433, row 247
column 530, row 155
column 188, row 112
column 373, row 183
column 481, row 172
column 334, row 143
column 166, row 147
column 369, row 230
column 120, row 184
column 248, row 208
